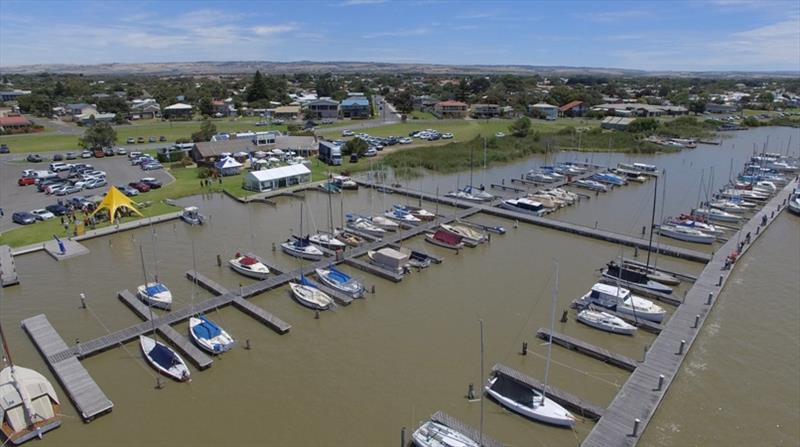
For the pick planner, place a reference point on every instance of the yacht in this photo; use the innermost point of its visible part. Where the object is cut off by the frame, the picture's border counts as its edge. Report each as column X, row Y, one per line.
column 622, row 301
column 524, row 205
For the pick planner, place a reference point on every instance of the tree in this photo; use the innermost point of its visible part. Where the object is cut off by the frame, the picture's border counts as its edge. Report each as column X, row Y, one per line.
column 355, row 146
column 520, row 127
column 37, row 104
column 205, row 106
column 643, row 125
column 697, row 107
column 207, row 130
column 119, row 118
column 99, row 135
column 113, row 104
column 402, row 101
column 766, row 98
column 258, row 88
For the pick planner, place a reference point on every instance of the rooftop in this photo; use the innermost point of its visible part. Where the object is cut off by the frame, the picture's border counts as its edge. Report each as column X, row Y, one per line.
column 570, row 105
column 356, row 101
column 14, row 121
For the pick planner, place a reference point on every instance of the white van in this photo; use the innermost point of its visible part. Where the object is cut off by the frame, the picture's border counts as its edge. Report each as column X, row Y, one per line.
column 58, row 167
column 44, row 175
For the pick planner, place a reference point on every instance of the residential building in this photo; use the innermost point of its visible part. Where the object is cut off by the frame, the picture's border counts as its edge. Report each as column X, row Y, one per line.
column 275, row 178
column 12, row 95
column 713, row 107
column 573, row 108
column 323, row 108
column 88, row 120
column 74, row 111
column 485, row 111
column 450, row 109
column 15, row 123
column 639, row 109
column 207, row 153
column 355, row 107
column 616, row 123
column 289, row 113
column 548, row 111
column 223, row 108
column 510, row 112
column 424, row 103
column 178, row 111
column 144, row 109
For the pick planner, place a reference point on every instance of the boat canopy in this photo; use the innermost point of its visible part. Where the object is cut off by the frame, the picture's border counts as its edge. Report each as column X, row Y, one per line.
column 163, row 356
column 34, row 386
column 155, row 289
column 337, row 276
column 248, row 260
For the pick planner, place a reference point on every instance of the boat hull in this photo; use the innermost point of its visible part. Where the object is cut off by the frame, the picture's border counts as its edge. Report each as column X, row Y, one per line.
column 310, row 297
column 244, row 271
column 430, row 239
column 179, row 371
column 290, row 250
column 622, row 330
column 550, row 413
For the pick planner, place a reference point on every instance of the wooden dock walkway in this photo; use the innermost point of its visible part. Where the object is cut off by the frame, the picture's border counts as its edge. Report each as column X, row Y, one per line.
column 640, row 396
column 565, row 399
column 602, row 354
column 8, row 270
column 198, row 357
column 83, row 391
column 449, row 421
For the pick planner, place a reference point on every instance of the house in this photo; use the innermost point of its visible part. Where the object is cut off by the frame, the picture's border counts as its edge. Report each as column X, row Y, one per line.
column 300, row 144
column 12, row 95
column 510, row 112
column 269, row 179
column 222, row 108
column 144, row 109
column 78, row 109
column 88, row 120
column 616, row 123
column 424, row 103
column 573, row 108
column 289, row 113
column 548, row 112
column 209, row 152
column 178, row 111
column 355, row 107
column 485, row 111
column 227, row 166
column 323, row 108
column 15, row 123
column 713, row 107
column 450, row 109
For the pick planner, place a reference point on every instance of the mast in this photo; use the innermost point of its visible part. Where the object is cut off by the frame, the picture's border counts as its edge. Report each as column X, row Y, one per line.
column 661, row 216
column 149, row 304
column 3, row 338
column 330, row 209
column 470, row 169
column 550, row 335
column 652, row 222
column 480, row 441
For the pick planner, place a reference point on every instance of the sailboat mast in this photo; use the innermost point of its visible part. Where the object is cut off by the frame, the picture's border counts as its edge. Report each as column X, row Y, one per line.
column 661, row 216
column 480, row 441
column 652, row 222
column 149, row 304
column 330, row 211
column 550, row 335
column 470, row 169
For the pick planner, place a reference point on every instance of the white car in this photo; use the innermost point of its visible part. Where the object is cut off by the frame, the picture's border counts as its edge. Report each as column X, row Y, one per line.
column 43, row 214
column 447, row 136
column 405, row 140
column 499, row 135
column 347, row 133
column 121, row 151
column 86, row 154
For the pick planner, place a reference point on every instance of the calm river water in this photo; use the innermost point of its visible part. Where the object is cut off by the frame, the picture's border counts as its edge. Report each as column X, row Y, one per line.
column 360, row 373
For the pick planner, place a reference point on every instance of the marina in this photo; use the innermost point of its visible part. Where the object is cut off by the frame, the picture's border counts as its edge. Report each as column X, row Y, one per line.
column 583, row 347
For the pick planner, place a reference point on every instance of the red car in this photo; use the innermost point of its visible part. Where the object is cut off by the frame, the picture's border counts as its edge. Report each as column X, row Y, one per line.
column 98, row 153
column 139, row 186
column 25, row 181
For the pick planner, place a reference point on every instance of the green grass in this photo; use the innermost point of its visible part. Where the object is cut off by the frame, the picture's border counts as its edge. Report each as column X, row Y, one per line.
column 416, row 114
column 40, row 142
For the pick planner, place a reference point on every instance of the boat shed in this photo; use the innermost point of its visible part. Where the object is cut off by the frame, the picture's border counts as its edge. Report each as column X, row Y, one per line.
column 275, row 178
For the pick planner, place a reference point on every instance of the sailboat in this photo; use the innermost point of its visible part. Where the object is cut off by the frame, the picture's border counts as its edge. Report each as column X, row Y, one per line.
column 605, row 322
column 364, row 225
column 154, row 293
column 341, row 281
column 526, row 400
column 328, row 239
column 418, row 212
column 309, row 295
column 205, row 333
column 29, row 405
column 249, row 266
column 301, row 247
column 434, row 434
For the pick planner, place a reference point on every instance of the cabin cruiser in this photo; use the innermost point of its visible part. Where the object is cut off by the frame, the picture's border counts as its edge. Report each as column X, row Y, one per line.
column 629, row 276
column 524, row 205
column 622, row 301
column 684, row 233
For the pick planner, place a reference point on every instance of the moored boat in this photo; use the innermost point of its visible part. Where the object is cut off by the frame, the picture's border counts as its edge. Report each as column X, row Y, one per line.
column 527, row 401
column 434, row 434
column 385, row 223
column 155, row 293
column 249, row 266
column 363, row 225
column 470, row 236
column 390, row 259
column 349, row 238
column 327, row 240
column 164, row 359
column 309, row 295
column 605, row 322
column 684, row 233
column 341, row 281
column 715, row 214
column 29, row 406
column 524, row 205
column 652, row 273
column 402, row 216
column 192, row 216
column 445, row 239
column 418, row 212
column 209, row 336
column 591, row 185
column 622, row 301
column 302, row 248
column 626, row 276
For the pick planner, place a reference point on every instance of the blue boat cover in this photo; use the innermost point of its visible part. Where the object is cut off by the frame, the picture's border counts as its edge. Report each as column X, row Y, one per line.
column 163, row 356
column 206, row 330
column 156, row 289
column 338, row 276
column 305, row 282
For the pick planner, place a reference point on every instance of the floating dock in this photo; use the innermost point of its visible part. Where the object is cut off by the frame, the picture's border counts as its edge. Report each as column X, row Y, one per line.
column 602, row 354
column 8, row 270
column 567, row 400
column 633, row 407
column 72, row 249
column 82, row 390
column 445, row 419
column 374, row 269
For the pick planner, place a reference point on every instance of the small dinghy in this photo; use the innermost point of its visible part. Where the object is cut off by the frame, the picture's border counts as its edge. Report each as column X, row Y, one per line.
column 302, row 248
column 164, row 359
column 192, row 216
column 308, row 295
column 524, row 400
column 445, row 239
column 156, row 294
column 209, row 336
column 249, row 266
column 434, row 434
column 605, row 322
column 350, row 239
column 341, row 281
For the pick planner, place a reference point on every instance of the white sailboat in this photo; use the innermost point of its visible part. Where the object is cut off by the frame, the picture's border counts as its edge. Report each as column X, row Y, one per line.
column 605, row 322
column 684, row 233
column 434, row 434
column 209, row 336
column 341, row 281
column 309, row 295
column 164, row 359
column 155, row 293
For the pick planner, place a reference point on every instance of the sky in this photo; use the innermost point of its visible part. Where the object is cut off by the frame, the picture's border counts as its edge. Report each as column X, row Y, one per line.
column 696, row 35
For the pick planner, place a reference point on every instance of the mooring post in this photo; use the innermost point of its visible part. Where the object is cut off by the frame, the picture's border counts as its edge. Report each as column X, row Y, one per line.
column 681, row 347
column 644, row 230
column 644, row 356
column 372, row 290
column 635, row 252
column 719, row 283
column 564, row 316
column 696, row 321
column 516, row 223
column 636, row 423
column 159, row 383
column 660, row 382
column 219, row 261
column 316, row 314
column 83, row 301
column 403, row 437
column 471, row 392
column 273, row 246
column 247, row 344
column 524, row 348
column 710, row 297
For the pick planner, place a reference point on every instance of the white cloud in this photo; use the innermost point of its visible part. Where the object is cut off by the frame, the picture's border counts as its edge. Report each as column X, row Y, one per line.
column 269, row 30
column 399, row 33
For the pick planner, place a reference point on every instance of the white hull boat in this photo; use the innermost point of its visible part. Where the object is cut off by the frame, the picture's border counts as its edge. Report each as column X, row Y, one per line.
column 365, row 226
column 434, row 434
column 310, row 296
column 470, row 236
column 591, row 185
column 420, row 213
column 302, row 248
column 164, row 359
column 686, row 234
column 718, row 215
column 624, row 302
column 209, row 336
column 532, row 404
column 327, row 240
column 547, row 200
column 403, row 217
column 29, row 406
column 478, row 193
column 702, row 226
column 156, row 294
column 249, row 266
column 655, row 275
column 341, row 281
column 605, row 322
column 728, row 206
column 524, row 205
column 385, row 223
column 464, row 196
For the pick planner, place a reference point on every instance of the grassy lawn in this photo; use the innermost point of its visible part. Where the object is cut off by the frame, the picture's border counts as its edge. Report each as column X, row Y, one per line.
column 40, row 142
column 416, row 114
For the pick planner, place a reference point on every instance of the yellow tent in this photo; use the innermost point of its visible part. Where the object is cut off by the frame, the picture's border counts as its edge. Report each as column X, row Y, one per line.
column 114, row 200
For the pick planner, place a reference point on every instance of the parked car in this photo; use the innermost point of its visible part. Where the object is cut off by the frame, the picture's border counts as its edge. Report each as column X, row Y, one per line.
column 53, row 188
column 162, row 138
column 152, row 166
column 71, row 156
column 95, row 183
column 262, row 123
column 98, row 153
column 43, row 185
column 131, row 140
column 134, row 154
column 121, row 151
column 4, row 149
column 25, row 181
column 43, row 214
column 127, row 190
column 371, row 152
column 152, row 182
column 34, row 158
column 57, row 209
column 108, row 152
column 447, row 136
column 23, row 218
column 405, row 140
column 140, row 140
column 347, row 133
column 353, row 158
column 58, row 167
column 86, row 154
column 58, row 157
column 139, row 186
column 70, row 189
column 151, row 140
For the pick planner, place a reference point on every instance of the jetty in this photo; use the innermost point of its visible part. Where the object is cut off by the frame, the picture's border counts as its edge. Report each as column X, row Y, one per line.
column 8, row 270
column 602, row 354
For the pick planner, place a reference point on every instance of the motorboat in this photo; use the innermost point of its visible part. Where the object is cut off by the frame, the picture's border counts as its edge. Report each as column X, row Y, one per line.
column 330, row 188
column 249, row 266
column 635, row 176
column 568, row 197
column 445, row 239
column 727, row 206
column 702, row 226
column 463, row 195
column 301, row 247
column 715, row 214
column 628, row 276
column 363, row 225
column 540, row 177
column 344, row 182
column 794, row 204
column 418, row 212
column 155, row 293
column 609, row 178
column 434, row 434
column 685, row 233
column 744, row 194
column 327, row 240
column 652, row 273
column 309, row 295
column 350, row 239
column 605, row 322
column 402, row 216
column 209, row 336
column 192, row 216
column 164, row 359
column 527, row 401
column 782, row 166
column 390, row 259
column 645, row 167
column 29, row 405
column 591, row 185
column 622, row 301
column 470, row 236
column 548, row 201
column 341, row 281
column 524, row 205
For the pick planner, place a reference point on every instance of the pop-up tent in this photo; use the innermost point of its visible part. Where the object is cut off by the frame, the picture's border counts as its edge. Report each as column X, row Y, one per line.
column 113, row 201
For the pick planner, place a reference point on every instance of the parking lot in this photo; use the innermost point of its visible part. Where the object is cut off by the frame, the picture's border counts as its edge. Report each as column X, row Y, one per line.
column 14, row 198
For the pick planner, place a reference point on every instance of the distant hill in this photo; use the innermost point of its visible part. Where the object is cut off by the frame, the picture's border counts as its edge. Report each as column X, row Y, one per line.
column 239, row 67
